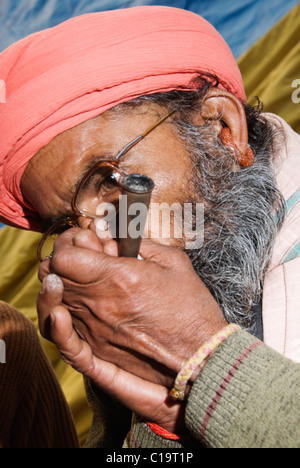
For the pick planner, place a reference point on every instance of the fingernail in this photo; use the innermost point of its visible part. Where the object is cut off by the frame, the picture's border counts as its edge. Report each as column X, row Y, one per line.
column 51, row 283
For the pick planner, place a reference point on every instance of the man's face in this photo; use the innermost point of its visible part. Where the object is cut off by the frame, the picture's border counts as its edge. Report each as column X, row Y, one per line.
column 239, row 223
column 51, row 177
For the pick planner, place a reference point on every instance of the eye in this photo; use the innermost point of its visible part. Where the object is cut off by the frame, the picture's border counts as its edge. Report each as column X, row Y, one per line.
column 110, row 181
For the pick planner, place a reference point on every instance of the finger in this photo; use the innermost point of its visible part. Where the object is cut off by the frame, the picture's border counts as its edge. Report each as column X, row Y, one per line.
column 82, row 265
column 73, row 349
column 67, row 237
column 145, row 398
column 44, row 269
column 105, row 236
column 87, row 239
column 151, row 348
column 164, row 255
column 135, row 393
column 50, row 296
column 101, row 228
column 111, row 248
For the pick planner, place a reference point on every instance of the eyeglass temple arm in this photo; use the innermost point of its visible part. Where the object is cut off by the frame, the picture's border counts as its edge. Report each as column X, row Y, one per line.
column 140, row 137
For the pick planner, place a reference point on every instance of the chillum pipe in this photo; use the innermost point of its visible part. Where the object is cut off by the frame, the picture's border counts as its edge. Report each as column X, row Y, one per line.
column 138, row 189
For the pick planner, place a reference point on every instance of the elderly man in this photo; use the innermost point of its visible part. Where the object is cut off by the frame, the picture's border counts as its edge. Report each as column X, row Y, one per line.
column 156, row 91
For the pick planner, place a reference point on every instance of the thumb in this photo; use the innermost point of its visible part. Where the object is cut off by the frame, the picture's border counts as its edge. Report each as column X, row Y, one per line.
column 51, row 295
column 164, row 255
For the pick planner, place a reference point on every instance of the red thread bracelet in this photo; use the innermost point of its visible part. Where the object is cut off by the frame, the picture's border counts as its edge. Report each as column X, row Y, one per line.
column 162, row 432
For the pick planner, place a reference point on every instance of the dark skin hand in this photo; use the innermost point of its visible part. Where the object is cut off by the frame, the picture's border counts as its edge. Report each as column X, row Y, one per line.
column 115, row 321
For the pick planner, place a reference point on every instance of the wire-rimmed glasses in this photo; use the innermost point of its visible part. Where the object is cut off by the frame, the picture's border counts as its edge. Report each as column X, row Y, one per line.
column 101, row 185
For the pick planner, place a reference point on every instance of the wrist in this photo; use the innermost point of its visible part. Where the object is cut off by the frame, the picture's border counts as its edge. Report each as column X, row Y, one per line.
column 195, row 364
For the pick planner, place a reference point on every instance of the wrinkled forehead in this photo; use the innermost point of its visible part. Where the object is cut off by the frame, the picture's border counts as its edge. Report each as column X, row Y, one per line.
column 99, row 138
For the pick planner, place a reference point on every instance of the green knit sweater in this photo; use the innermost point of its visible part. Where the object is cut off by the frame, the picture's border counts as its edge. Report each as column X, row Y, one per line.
column 246, row 396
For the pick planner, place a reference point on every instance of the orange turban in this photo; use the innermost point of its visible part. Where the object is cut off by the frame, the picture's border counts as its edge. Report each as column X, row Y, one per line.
column 58, row 78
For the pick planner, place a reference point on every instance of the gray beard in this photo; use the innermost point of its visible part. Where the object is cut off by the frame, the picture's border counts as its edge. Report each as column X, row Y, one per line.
column 243, row 214
column 244, row 209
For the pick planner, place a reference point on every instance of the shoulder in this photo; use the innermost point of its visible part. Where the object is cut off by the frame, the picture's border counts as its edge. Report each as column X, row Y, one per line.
column 19, row 337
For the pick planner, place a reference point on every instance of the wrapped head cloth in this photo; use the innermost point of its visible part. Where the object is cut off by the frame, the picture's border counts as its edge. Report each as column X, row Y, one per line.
column 60, row 77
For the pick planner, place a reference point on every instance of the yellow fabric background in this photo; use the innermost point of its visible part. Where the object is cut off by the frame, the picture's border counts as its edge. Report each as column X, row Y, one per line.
column 19, row 286
column 268, row 69
column 271, row 65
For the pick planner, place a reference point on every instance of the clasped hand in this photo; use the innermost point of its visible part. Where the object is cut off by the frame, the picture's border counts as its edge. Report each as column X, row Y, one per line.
column 127, row 324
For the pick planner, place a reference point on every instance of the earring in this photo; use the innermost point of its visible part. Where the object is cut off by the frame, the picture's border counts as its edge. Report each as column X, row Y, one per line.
column 246, row 159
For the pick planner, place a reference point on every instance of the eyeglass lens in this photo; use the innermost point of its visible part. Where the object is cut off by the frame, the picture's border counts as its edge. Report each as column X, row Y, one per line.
column 102, row 187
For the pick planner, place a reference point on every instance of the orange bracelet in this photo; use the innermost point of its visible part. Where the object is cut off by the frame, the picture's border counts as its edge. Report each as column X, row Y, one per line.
column 206, row 350
column 162, row 432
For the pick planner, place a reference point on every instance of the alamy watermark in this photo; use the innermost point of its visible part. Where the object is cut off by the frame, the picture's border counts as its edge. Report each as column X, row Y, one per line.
column 296, row 93
column 2, row 352
column 162, row 221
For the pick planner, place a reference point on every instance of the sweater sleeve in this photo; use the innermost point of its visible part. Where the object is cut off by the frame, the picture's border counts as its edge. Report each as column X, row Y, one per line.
column 247, row 396
column 34, row 412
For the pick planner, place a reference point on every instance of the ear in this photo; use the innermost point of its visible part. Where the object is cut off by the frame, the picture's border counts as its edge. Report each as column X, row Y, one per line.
column 224, row 107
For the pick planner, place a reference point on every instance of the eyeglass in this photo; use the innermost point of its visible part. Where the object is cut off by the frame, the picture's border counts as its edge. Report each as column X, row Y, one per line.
column 102, row 184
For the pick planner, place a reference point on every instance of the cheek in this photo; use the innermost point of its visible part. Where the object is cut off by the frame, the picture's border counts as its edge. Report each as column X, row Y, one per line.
column 165, row 217
column 164, row 224
column 48, row 189
column 172, row 184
